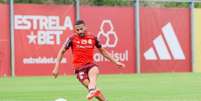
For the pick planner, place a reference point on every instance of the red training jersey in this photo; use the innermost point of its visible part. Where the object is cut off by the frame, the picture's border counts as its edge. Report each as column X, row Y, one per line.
column 82, row 48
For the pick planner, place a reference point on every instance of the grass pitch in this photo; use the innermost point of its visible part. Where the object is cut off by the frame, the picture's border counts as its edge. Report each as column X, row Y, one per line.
column 143, row 87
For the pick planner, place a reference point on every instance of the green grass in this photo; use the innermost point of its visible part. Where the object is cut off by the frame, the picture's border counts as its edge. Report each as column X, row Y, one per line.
column 145, row 87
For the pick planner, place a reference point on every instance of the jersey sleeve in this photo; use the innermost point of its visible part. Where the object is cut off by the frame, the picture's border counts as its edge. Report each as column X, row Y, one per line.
column 68, row 43
column 97, row 43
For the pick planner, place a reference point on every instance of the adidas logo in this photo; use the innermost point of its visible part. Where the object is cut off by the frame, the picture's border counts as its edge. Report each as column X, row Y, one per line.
column 169, row 51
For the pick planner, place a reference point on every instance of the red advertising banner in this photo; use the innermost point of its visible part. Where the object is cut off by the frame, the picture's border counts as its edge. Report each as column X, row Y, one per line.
column 165, row 40
column 4, row 41
column 114, row 27
column 40, row 30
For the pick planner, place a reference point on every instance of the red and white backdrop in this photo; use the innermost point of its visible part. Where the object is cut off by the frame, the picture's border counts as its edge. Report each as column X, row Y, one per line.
column 114, row 26
column 4, row 41
column 39, row 34
column 165, row 40
column 40, row 30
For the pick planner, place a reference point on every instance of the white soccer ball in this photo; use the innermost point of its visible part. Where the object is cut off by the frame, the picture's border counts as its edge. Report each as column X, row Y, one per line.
column 60, row 99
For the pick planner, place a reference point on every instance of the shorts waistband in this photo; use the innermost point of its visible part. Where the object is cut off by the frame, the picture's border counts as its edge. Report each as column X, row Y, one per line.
column 85, row 66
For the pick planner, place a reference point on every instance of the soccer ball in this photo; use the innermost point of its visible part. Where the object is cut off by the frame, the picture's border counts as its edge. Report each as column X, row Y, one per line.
column 60, row 99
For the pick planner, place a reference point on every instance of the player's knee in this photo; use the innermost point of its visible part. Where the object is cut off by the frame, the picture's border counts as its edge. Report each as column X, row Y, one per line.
column 97, row 70
column 94, row 70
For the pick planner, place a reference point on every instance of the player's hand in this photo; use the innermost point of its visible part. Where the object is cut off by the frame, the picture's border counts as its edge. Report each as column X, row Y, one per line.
column 120, row 65
column 55, row 73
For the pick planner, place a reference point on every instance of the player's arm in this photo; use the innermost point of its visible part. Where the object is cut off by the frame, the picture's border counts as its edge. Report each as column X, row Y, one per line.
column 107, row 55
column 60, row 55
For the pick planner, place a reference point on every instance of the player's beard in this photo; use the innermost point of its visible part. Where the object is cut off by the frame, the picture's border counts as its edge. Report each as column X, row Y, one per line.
column 82, row 34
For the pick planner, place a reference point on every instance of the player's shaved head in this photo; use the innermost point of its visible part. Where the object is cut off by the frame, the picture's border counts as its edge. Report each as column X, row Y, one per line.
column 79, row 22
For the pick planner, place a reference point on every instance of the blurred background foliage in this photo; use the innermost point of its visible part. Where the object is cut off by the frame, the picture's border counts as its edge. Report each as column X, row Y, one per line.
column 106, row 3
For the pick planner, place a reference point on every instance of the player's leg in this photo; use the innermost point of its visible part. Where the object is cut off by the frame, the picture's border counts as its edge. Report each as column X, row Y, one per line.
column 100, row 97
column 83, row 77
column 93, row 73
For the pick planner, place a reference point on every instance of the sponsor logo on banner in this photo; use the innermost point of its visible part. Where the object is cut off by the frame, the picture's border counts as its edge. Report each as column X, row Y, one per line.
column 170, row 51
column 42, row 60
column 108, row 43
column 43, row 30
column 111, row 41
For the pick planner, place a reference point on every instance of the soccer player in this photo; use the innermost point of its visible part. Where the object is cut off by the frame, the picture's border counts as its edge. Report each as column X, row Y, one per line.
column 82, row 44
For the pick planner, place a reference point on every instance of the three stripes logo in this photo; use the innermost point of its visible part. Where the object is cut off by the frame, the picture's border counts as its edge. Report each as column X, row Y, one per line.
column 175, row 51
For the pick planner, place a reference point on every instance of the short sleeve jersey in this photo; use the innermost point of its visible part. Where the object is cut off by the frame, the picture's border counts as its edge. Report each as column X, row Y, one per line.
column 82, row 49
